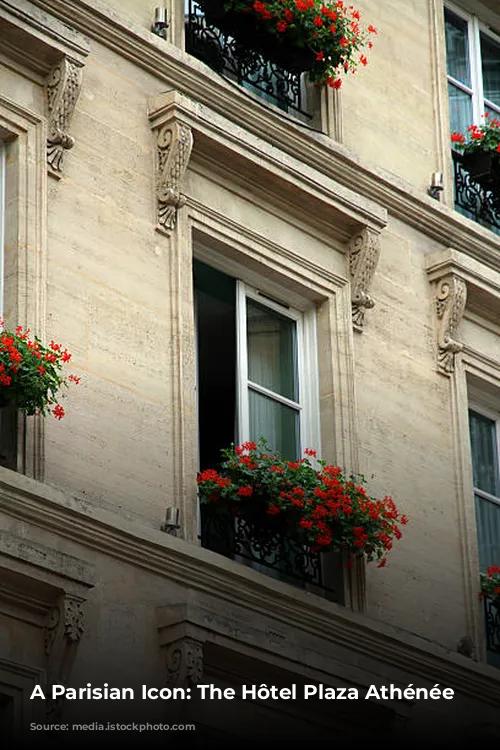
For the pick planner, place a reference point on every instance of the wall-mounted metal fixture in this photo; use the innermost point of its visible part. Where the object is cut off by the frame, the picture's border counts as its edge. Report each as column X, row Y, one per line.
column 171, row 524
column 437, row 186
column 160, row 24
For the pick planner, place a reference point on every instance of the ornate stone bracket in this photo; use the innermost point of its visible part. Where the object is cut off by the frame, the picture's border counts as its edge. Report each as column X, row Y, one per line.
column 63, row 630
column 174, row 142
column 184, row 661
column 363, row 255
column 63, row 88
column 451, row 298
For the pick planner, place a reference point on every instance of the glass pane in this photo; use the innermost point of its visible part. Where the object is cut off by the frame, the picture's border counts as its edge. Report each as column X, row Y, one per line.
column 272, row 350
column 457, row 48
column 490, row 53
column 488, row 532
column 484, row 453
column 277, row 423
column 460, row 109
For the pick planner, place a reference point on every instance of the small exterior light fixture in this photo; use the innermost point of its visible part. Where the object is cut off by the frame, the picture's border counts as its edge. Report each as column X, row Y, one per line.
column 160, row 24
column 171, row 525
column 437, row 186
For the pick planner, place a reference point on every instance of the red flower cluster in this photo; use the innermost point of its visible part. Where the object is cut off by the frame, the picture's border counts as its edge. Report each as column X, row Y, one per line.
column 485, row 137
column 490, row 583
column 319, row 506
column 30, row 372
column 333, row 33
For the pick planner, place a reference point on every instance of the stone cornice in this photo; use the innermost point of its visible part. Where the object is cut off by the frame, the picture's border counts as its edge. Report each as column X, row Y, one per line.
column 201, row 570
column 46, row 38
column 189, row 76
column 254, row 161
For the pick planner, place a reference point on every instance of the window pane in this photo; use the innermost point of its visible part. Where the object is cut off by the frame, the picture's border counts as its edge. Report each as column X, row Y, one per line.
column 277, row 423
column 490, row 53
column 457, row 48
column 484, row 453
column 460, row 109
column 272, row 350
column 488, row 530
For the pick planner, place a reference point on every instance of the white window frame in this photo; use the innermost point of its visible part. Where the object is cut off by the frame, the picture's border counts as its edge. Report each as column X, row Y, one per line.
column 475, row 28
column 307, row 404
column 495, row 417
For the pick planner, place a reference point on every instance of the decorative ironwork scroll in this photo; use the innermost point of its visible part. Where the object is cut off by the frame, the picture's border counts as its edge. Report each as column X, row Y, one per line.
column 473, row 201
column 492, row 621
column 270, row 550
column 249, row 69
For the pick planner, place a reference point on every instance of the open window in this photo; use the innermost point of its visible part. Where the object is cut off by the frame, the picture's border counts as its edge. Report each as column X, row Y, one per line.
column 257, row 378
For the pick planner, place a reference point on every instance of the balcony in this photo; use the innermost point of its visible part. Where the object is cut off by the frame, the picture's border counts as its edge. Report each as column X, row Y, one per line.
column 246, row 68
column 472, row 200
column 272, row 552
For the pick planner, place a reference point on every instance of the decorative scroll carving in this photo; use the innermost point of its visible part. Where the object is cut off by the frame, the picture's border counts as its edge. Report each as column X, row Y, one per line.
column 184, row 659
column 63, row 629
column 451, row 298
column 364, row 252
column 63, row 88
column 174, row 144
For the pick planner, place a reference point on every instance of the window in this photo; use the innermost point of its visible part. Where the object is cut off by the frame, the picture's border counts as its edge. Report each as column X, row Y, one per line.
column 473, row 68
column 257, row 377
column 255, row 355
column 485, row 450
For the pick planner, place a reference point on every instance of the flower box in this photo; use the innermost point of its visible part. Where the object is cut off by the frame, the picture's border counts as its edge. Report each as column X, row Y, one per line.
column 315, row 506
column 251, row 33
column 484, row 168
column 297, row 35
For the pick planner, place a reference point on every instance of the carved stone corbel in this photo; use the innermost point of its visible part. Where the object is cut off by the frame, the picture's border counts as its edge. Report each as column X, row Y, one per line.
column 451, row 298
column 184, row 662
column 63, row 88
column 363, row 254
column 63, row 629
column 174, row 142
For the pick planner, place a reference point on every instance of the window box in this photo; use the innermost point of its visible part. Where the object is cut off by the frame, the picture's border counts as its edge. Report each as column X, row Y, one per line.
column 252, row 35
column 484, row 168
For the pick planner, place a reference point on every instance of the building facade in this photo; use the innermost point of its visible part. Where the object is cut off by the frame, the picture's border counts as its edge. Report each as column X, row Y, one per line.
column 228, row 251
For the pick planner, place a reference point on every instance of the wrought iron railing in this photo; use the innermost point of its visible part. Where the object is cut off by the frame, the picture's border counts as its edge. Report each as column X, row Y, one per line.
column 272, row 552
column 473, row 201
column 492, row 624
column 247, row 68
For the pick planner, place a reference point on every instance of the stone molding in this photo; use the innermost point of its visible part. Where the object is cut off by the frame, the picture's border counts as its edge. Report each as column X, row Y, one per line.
column 206, row 572
column 228, row 151
column 63, row 88
column 363, row 255
column 174, row 143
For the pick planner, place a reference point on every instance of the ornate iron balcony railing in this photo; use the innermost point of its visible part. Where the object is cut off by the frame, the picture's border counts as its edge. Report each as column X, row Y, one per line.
column 247, row 68
column 273, row 553
column 492, row 624
column 471, row 200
